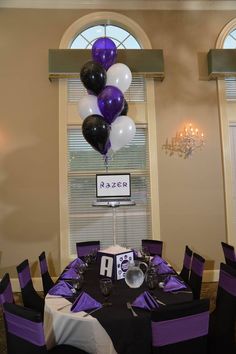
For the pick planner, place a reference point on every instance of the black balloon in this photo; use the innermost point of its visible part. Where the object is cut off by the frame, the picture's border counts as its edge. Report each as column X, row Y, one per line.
column 93, row 76
column 96, row 132
column 125, row 109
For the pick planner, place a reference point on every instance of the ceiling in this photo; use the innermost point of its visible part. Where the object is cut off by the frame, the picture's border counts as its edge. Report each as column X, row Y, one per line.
column 122, row 4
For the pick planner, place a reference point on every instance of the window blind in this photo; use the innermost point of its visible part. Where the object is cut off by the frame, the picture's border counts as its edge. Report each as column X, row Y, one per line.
column 88, row 223
column 230, row 88
column 135, row 93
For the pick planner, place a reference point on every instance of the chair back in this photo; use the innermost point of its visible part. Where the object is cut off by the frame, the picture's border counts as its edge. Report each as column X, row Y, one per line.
column 84, row 248
column 46, row 278
column 6, row 293
column 222, row 319
column 185, row 272
column 195, row 279
column 154, row 247
column 181, row 328
column 24, row 330
column 30, row 296
column 229, row 254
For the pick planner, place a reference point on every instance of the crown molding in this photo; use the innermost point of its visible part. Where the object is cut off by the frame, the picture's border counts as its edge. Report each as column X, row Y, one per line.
column 203, row 5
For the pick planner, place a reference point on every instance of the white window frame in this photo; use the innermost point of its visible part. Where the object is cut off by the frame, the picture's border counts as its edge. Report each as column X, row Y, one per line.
column 150, row 116
column 225, row 123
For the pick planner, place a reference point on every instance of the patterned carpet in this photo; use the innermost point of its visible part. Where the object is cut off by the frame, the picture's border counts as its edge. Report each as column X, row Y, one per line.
column 208, row 290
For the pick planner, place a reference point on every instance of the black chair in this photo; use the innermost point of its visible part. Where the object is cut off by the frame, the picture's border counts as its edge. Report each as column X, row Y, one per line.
column 84, row 248
column 221, row 338
column 195, row 278
column 6, row 293
column 181, row 328
column 229, row 254
column 30, row 297
column 46, row 278
column 154, row 247
column 24, row 331
column 185, row 272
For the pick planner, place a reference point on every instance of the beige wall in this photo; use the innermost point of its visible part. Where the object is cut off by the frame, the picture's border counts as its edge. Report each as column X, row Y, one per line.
column 191, row 191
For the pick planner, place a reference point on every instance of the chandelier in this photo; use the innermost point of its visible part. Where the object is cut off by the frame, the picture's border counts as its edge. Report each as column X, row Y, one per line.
column 185, row 142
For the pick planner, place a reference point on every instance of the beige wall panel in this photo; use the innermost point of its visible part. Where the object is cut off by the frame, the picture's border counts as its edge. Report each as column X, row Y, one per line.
column 191, row 191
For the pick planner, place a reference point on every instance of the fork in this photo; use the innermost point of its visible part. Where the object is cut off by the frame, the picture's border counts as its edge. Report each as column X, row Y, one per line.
column 129, row 306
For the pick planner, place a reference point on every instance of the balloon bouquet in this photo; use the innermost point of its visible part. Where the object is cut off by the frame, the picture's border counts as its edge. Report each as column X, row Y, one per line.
column 106, row 126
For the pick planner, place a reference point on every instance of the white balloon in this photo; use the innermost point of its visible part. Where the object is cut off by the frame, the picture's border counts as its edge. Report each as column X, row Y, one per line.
column 122, row 132
column 87, row 106
column 119, row 75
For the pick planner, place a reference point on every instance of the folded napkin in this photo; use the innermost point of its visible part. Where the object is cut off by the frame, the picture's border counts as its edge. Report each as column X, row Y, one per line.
column 62, row 288
column 145, row 301
column 84, row 302
column 75, row 263
column 163, row 268
column 173, row 283
column 156, row 260
column 69, row 274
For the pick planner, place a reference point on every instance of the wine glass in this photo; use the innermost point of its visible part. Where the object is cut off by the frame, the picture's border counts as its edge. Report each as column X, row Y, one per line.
column 145, row 254
column 151, row 280
column 106, row 288
column 77, row 283
column 82, row 268
column 94, row 255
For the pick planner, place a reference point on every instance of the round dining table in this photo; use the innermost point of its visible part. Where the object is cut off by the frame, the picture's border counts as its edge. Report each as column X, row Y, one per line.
column 111, row 329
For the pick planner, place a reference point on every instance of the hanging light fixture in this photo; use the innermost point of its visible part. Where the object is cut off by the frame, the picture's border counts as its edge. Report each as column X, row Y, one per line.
column 185, row 142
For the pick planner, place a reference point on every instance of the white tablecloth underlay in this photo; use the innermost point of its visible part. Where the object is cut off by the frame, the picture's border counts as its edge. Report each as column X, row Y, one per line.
column 66, row 327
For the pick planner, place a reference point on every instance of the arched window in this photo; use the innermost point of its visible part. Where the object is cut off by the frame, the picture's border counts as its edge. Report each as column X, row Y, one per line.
column 227, row 104
column 79, row 220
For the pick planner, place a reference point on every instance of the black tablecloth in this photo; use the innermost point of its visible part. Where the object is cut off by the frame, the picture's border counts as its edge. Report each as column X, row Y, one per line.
column 129, row 334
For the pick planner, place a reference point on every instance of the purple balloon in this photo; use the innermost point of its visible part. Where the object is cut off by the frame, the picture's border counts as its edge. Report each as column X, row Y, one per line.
column 110, row 103
column 104, row 52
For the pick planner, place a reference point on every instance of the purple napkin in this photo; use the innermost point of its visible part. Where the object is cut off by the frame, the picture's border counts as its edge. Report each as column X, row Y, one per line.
column 75, row 263
column 69, row 274
column 145, row 301
column 84, row 302
column 163, row 268
column 158, row 260
column 62, row 288
column 173, row 283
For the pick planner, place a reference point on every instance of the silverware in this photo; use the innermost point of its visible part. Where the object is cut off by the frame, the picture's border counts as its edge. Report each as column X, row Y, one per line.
column 181, row 292
column 129, row 306
column 159, row 302
column 60, row 308
column 89, row 313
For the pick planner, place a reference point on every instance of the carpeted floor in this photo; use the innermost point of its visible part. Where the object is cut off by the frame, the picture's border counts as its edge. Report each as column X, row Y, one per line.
column 208, row 290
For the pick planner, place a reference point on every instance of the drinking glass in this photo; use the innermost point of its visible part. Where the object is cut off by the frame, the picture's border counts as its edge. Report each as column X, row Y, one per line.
column 106, row 288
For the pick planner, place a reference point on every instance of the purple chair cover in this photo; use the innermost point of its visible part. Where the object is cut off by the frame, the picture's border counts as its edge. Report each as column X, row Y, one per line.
column 75, row 263
column 85, row 302
column 158, row 260
column 173, row 284
column 84, row 248
column 43, row 265
column 163, row 268
column 6, row 294
column 24, row 277
column 227, row 282
column 62, row 288
column 69, row 274
column 25, row 329
column 154, row 247
column 180, row 329
column 197, row 266
column 145, row 301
